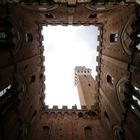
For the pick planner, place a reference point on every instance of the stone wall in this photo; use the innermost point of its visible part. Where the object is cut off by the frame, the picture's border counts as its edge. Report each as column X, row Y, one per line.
column 23, row 114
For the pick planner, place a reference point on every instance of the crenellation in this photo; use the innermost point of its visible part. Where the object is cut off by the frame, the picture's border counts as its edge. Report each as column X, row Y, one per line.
column 47, row 106
column 110, row 102
column 55, row 107
column 74, row 107
column 98, row 48
column 97, row 69
column 97, row 78
column 98, row 58
column 99, row 38
column 64, row 107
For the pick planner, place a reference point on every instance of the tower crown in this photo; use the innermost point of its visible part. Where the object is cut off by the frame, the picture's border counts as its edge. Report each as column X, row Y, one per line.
column 81, row 70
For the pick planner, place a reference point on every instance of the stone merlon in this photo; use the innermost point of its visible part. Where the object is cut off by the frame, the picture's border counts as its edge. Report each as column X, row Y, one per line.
column 81, row 70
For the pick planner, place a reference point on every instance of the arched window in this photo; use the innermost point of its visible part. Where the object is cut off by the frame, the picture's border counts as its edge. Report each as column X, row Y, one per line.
column 29, row 37
column 48, row 15
column 135, row 105
column 129, row 97
column 110, row 79
column 92, row 15
column 46, row 131
column 3, row 35
column 4, row 91
column 88, row 133
column 114, row 37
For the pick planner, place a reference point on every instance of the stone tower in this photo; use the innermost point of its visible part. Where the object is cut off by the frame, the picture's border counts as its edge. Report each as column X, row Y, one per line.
column 85, row 85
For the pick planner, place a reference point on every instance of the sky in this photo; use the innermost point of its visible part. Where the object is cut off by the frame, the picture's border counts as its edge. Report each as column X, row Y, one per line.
column 64, row 48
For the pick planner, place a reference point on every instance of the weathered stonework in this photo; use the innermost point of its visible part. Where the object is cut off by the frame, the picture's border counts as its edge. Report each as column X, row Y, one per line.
column 23, row 114
column 86, row 86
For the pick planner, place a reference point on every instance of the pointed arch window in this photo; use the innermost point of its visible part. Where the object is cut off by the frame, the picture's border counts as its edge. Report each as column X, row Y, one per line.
column 135, row 99
column 110, row 79
column 129, row 97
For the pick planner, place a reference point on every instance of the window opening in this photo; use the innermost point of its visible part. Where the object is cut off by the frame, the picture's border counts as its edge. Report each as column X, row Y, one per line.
column 138, row 35
column 114, row 37
column 3, row 35
column 32, row 79
column 129, row 96
column 110, row 80
column 48, row 15
column 88, row 133
column 46, row 130
column 89, row 85
column 2, row 92
column 138, row 47
column 80, row 114
column 29, row 37
column 92, row 16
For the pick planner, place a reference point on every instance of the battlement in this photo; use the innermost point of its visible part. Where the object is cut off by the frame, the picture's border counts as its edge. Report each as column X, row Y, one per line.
column 84, row 112
column 64, row 107
column 81, row 70
column 72, row 1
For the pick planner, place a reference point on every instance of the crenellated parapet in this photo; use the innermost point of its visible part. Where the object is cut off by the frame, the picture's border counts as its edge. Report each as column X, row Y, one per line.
column 65, row 107
column 83, row 112
column 81, row 70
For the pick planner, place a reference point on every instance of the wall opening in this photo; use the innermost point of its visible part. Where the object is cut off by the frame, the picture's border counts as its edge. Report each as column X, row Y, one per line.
column 4, row 91
column 110, row 80
column 113, row 37
column 64, row 48
column 88, row 133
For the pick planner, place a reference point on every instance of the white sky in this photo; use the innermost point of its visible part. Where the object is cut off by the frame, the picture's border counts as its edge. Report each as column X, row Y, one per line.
column 66, row 47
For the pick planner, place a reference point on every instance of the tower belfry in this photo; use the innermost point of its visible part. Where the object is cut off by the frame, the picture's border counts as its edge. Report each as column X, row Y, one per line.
column 85, row 85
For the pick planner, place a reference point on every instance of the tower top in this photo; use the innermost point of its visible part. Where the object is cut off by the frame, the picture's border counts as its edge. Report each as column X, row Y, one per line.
column 81, row 70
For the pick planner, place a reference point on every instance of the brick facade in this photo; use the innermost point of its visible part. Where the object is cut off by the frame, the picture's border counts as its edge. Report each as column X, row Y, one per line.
column 23, row 114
